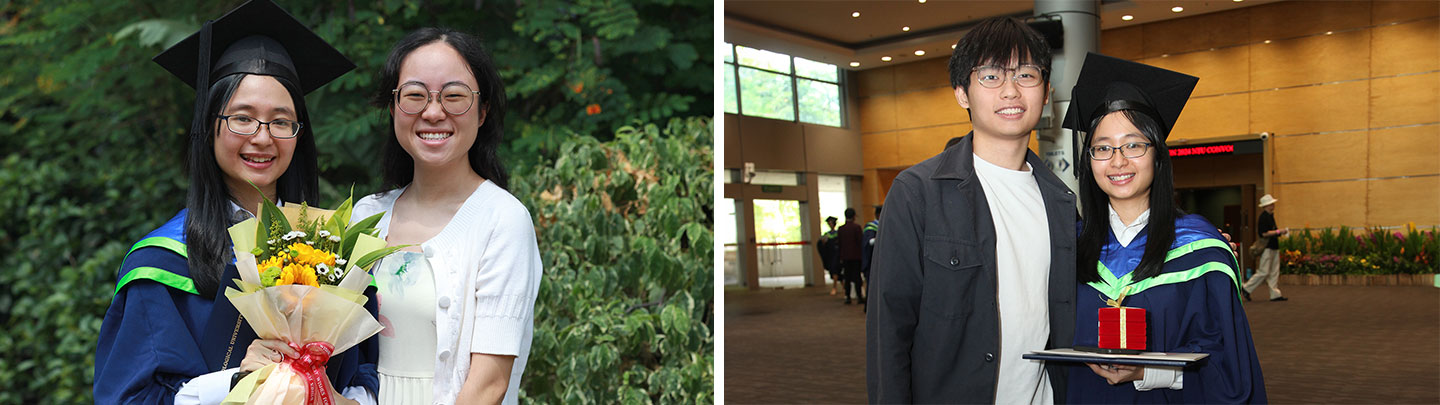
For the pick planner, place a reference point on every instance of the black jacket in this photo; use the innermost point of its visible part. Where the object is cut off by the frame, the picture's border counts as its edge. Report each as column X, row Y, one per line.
column 933, row 325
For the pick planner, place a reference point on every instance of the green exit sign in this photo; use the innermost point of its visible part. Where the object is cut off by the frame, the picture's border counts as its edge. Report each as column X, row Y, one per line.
column 771, row 189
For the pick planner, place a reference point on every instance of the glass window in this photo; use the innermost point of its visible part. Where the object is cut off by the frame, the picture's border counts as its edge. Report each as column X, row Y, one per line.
column 732, row 104
column 816, row 70
column 833, row 199
column 759, row 83
column 766, row 94
column 763, row 59
column 819, row 102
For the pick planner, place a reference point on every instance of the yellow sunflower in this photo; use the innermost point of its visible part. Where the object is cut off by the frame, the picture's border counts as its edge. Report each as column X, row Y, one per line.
column 305, row 254
column 298, row 274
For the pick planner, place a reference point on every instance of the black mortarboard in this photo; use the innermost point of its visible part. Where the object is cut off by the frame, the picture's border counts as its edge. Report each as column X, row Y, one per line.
column 258, row 38
column 1109, row 84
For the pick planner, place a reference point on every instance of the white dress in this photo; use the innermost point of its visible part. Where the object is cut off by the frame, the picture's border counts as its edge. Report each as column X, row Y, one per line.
column 406, row 294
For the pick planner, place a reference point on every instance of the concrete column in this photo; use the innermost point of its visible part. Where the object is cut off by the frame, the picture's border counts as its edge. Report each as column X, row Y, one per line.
column 749, row 262
column 1081, row 19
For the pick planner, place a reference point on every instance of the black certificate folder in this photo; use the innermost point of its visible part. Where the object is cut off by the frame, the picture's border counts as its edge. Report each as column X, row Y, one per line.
column 1142, row 359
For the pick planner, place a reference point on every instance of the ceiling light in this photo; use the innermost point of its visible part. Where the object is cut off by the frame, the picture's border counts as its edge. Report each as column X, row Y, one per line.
column 1127, row 17
column 1267, row 41
column 922, row 1
column 906, row 29
column 885, row 58
column 919, row 52
column 952, row 46
column 1237, row 1
column 1164, row 55
column 854, row 64
column 855, row 14
column 1329, row 32
column 1177, row 9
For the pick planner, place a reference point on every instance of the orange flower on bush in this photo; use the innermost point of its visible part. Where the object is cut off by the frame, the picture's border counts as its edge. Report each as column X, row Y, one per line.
column 592, row 109
column 578, row 87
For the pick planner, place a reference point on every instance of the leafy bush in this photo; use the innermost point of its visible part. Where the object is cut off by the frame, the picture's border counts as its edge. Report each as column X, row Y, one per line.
column 623, row 313
column 1378, row 250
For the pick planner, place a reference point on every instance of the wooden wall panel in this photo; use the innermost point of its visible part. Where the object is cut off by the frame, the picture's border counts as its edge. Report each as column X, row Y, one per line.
column 1200, row 32
column 1330, row 107
column 1310, row 60
column 1210, row 117
column 772, row 144
column 1224, row 70
column 1386, row 11
column 917, row 145
column 1341, row 155
column 1295, row 18
column 1124, row 43
column 1406, row 48
column 922, row 75
column 831, row 150
column 928, row 107
column 875, row 81
column 870, row 193
column 880, row 150
column 1406, row 151
column 1399, row 201
column 877, row 113
column 733, row 151
column 1405, row 100
column 1320, row 204
column 886, row 180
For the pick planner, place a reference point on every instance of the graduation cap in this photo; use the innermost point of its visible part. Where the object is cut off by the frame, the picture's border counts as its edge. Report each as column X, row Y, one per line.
column 257, row 38
column 1109, row 84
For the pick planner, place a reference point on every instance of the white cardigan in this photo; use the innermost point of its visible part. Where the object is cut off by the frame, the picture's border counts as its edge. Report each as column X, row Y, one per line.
column 487, row 273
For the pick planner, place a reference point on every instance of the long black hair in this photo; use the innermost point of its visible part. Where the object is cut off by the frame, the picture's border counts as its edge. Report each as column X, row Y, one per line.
column 1096, row 229
column 208, row 199
column 399, row 167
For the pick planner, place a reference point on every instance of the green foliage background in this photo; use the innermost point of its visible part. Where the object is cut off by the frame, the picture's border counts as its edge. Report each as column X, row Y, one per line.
column 91, row 138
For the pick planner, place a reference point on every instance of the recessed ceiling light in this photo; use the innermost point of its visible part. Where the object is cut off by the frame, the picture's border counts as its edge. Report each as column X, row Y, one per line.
column 952, row 46
column 1237, row 1
column 855, row 14
column 922, row 1
column 919, row 52
column 1127, row 17
column 885, row 58
column 1267, row 41
column 1177, row 9
column 1164, row 55
column 854, row 64
column 905, row 28
column 1329, row 32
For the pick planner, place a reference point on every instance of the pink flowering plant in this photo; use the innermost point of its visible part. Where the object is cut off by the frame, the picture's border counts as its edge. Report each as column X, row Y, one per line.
column 1377, row 250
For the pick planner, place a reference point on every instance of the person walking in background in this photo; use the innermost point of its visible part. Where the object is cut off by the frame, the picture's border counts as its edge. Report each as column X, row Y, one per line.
column 978, row 246
column 850, row 253
column 1269, row 272
column 829, row 247
column 872, row 229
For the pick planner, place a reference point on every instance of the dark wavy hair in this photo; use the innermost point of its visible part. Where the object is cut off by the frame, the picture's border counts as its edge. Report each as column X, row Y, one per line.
column 998, row 39
column 207, row 242
column 399, row 167
column 1095, row 230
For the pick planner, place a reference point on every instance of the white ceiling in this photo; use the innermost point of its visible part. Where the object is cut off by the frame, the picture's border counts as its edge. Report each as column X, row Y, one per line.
column 824, row 30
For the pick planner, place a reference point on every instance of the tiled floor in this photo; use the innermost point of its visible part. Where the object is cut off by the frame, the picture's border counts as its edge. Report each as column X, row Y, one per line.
column 1326, row 345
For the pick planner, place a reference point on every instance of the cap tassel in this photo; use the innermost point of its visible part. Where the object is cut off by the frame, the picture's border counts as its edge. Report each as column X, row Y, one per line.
column 202, row 80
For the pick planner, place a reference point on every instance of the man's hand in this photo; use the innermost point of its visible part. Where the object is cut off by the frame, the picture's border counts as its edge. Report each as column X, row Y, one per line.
column 1235, row 247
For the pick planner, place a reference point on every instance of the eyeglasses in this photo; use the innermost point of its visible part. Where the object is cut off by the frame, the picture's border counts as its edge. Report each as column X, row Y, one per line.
column 1023, row 75
column 247, row 125
column 455, row 98
column 1133, row 150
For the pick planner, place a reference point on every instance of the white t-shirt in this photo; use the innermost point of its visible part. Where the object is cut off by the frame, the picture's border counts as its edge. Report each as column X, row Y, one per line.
column 1022, row 256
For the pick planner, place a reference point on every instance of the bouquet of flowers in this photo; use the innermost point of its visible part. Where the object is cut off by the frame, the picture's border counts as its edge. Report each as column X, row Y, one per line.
column 303, row 273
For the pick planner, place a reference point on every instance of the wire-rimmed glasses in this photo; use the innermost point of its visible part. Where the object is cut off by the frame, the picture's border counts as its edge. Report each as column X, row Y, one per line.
column 455, row 98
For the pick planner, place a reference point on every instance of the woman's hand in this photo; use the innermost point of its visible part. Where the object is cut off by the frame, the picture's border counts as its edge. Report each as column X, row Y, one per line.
column 1118, row 373
column 263, row 352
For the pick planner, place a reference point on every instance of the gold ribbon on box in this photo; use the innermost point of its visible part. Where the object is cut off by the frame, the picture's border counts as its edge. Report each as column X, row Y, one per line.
column 1115, row 303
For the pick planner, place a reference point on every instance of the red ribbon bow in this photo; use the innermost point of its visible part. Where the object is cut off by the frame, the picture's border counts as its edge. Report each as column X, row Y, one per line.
column 311, row 366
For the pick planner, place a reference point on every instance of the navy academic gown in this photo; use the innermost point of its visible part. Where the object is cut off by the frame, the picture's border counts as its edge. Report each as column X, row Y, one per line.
column 1193, row 306
column 159, row 332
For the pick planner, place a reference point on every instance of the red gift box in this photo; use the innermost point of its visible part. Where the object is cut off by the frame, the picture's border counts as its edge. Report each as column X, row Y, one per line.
column 1122, row 328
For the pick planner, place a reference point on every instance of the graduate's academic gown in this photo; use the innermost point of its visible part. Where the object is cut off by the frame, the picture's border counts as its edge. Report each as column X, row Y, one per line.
column 159, row 332
column 1193, row 306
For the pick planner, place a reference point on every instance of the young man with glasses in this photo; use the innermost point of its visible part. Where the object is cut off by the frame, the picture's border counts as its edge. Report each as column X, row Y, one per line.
column 978, row 245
